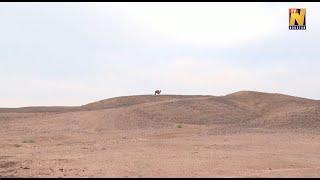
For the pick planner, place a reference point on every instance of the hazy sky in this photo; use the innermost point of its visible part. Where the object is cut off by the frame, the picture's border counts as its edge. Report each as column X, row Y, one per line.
column 76, row 53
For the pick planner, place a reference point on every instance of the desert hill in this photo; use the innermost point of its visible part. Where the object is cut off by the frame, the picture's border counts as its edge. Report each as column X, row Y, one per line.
column 243, row 134
column 244, row 109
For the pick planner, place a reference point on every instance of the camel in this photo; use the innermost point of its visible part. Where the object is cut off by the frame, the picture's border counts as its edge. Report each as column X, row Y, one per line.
column 157, row 92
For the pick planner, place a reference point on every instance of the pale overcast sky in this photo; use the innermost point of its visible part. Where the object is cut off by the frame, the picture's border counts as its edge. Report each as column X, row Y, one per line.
column 76, row 53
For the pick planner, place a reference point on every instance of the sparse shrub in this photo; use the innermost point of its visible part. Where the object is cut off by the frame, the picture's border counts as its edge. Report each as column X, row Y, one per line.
column 17, row 145
column 179, row 126
column 29, row 141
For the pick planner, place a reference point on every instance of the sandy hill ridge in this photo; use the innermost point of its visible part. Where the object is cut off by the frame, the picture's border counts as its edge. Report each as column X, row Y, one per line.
column 244, row 109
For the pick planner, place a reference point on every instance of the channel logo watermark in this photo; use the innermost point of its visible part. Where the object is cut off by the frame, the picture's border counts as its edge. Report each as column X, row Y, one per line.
column 297, row 19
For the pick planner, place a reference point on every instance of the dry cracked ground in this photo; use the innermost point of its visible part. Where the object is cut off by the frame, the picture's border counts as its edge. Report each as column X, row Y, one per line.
column 244, row 134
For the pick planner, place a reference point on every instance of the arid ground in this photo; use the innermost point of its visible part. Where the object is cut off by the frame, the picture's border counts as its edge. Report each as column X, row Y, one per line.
column 244, row 134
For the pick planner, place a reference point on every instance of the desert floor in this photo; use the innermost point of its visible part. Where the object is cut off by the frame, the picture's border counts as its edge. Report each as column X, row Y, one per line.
column 189, row 151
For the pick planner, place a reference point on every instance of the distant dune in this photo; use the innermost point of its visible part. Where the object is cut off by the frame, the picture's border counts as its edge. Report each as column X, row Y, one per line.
column 241, row 109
